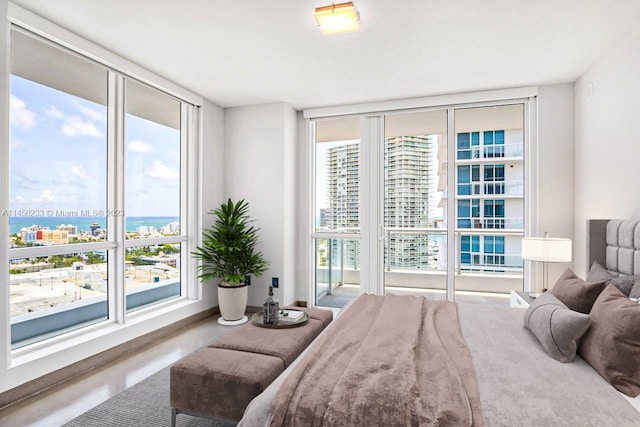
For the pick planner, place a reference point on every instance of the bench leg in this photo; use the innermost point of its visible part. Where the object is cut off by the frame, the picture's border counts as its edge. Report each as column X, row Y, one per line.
column 174, row 412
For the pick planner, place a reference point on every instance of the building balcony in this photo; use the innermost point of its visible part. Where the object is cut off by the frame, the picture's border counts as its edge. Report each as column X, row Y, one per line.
column 501, row 188
column 490, row 152
column 416, row 261
column 491, row 223
column 466, row 281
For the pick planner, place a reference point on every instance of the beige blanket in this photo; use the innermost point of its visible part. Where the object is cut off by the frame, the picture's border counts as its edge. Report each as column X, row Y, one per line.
column 388, row 361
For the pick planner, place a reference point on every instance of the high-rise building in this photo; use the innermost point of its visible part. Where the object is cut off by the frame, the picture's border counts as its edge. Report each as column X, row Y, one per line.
column 409, row 199
column 410, row 185
column 490, row 199
column 343, row 180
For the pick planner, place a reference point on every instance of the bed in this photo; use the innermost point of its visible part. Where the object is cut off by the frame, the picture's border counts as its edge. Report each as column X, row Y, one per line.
column 515, row 382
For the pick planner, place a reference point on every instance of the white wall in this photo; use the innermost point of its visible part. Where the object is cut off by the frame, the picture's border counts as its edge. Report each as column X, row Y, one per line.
column 512, row 245
column 555, row 207
column 513, row 172
column 607, row 150
column 211, row 175
column 260, row 167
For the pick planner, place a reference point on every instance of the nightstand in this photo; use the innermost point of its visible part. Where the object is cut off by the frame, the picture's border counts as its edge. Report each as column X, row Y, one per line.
column 520, row 299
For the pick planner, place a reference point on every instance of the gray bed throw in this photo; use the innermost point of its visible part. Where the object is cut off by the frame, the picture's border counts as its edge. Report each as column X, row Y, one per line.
column 394, row 360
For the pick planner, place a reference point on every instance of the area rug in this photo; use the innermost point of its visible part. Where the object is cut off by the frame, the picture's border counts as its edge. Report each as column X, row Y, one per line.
column 146, row 404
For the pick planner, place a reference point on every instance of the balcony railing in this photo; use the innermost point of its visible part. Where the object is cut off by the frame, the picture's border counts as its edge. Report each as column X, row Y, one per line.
column 511, row 263
column 493, row 263
column 513, row 150
column 31, row 327
column 510, row 188
column 491, row 223
column 417, row 257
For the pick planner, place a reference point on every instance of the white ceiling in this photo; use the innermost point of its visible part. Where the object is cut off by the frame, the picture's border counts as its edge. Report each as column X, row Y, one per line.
column 239, row 52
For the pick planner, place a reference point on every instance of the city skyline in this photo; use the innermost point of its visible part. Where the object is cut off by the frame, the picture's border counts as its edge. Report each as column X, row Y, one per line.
column 410, row 164
column 488, row 196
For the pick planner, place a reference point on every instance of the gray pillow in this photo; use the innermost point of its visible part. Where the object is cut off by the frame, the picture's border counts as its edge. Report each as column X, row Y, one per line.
column 635, row 291
column 575, row 293
column 597, row 273
column 612, row 344
column 558, row 329
column 625, row 284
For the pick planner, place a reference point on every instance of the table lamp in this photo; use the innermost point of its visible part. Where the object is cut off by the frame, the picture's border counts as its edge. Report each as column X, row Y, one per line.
column 545, row 249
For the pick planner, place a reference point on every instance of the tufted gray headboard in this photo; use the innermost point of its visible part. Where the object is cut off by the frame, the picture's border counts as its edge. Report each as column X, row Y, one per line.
column 615, row 244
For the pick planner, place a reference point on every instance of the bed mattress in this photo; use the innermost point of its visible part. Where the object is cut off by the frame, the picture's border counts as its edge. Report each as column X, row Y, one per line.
column 520, row 385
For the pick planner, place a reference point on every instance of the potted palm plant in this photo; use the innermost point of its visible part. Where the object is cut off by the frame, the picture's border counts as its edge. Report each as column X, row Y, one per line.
column 228, row 253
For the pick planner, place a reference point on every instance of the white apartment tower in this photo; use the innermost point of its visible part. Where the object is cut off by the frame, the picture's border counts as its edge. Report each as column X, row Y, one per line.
column 409, row 200
column 344, row 182
column 489, row 199
column 410, row 185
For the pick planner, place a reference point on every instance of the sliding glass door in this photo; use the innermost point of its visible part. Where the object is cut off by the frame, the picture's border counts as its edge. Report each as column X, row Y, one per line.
column 489, row 199
column 424, row 202
column 336, row 238
column 415, row 195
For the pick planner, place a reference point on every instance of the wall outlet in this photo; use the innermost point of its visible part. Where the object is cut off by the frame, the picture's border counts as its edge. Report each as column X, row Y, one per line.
column 247, row 279
column 274, row 282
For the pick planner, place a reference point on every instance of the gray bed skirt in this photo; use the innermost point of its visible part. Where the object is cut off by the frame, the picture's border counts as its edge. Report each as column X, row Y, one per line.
column 520, row 385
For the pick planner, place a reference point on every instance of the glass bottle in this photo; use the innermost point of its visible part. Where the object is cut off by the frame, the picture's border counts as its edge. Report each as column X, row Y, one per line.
column 270, row 309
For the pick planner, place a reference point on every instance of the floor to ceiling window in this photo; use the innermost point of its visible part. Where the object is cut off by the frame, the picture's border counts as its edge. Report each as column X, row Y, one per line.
column 490, row 199
column 415, row 226
column 337, row 211
column 152, row 195
column 449, row 212
column 96, row 192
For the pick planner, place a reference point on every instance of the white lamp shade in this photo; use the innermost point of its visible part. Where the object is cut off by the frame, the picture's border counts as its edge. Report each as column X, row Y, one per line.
column 546, row 249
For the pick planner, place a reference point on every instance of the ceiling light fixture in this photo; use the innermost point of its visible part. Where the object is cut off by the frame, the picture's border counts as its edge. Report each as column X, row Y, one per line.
column 337, row 19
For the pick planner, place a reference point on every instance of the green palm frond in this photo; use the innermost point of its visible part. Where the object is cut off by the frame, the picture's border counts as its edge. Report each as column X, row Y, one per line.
column 228, row 246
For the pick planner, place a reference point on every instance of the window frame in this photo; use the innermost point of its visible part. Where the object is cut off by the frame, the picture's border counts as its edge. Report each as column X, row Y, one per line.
column 118, row 69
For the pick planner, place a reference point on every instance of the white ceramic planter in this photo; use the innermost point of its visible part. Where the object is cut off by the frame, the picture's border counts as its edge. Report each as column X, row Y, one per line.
column 232, row 302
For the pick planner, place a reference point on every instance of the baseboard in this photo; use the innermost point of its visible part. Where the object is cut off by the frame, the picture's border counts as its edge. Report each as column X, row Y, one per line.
column 59, row 376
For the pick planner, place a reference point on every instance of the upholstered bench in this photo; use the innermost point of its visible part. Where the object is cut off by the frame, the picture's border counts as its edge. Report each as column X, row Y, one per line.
column 220, row 380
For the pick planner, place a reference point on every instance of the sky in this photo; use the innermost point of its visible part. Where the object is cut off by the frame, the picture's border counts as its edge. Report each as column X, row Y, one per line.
column 58, row 156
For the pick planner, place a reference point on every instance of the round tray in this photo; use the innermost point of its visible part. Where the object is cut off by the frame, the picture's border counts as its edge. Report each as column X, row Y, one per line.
column 257, row 319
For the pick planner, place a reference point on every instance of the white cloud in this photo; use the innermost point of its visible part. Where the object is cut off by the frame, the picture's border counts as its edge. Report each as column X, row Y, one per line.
column 140, row 147
column 90, row 112
column 16, row 143
column 79, row 171
column 161, row 171
column 20, row 199
column 45, row 196
column 20, row 116
column 54, row 113
column 75, row 126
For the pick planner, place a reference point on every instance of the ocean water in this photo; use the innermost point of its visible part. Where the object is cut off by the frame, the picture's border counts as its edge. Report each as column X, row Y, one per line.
column 83, row 223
